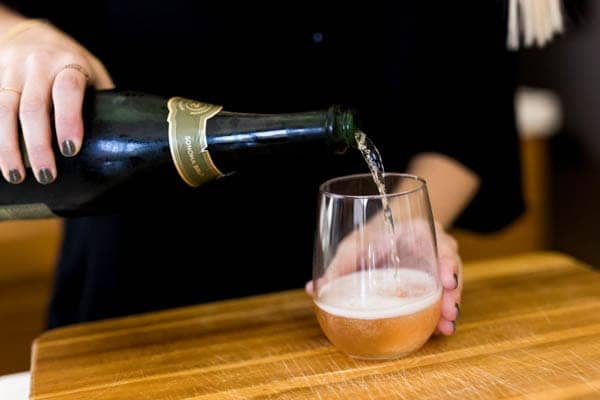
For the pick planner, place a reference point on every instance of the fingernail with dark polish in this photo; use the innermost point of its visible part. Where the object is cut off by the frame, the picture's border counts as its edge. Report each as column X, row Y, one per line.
column 455, row 281
column 457, row 310
column 14, row 176
column 68, row 148
column 45, row 176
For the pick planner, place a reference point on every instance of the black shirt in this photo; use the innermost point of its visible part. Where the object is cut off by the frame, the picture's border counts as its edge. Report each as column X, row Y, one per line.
column 425, row 76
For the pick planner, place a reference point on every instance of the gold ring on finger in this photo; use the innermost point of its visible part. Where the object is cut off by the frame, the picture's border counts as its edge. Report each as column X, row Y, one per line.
column 9, row 89
column 79, row 68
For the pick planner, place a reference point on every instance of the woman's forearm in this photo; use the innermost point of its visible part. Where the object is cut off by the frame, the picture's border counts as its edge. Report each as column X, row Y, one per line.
column 451, row 185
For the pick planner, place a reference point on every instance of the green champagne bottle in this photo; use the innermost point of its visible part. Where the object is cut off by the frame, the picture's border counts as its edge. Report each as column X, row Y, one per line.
column 130, row 136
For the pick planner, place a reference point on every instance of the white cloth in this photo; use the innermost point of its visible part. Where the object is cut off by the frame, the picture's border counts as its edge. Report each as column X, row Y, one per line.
column 539, row 112
column 15, row 386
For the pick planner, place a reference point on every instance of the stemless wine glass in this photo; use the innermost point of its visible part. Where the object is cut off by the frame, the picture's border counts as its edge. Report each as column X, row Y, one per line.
column 376, row 288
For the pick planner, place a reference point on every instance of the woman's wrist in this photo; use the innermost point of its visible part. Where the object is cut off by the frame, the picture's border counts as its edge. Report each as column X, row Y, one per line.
column 451, row 184
column 20, row 27
column 10, row 19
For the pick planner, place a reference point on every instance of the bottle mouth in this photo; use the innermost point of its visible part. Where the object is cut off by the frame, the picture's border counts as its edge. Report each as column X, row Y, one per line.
column 344, row 127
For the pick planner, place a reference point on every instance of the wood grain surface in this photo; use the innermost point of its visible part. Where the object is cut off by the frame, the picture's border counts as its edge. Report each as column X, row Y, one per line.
column 28, row 251
column 529, row 329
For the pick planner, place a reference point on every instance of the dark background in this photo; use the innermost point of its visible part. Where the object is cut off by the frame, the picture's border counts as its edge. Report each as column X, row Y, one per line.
column 570, row 67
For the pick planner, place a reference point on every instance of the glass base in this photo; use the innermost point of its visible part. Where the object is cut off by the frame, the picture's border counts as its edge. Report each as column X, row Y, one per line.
column 386, row 358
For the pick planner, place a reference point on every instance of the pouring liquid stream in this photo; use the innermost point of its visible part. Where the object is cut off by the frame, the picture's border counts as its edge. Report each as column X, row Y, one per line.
column 375, row 163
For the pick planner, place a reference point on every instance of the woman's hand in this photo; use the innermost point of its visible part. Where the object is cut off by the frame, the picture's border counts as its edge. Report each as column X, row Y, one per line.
column 42, row 69
column 450, row 267
column 347, row 258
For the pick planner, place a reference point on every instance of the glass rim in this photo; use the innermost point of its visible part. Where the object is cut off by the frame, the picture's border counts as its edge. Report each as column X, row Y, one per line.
column 421, row 185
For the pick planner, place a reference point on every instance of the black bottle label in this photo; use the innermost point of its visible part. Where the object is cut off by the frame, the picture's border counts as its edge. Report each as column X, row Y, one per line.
column 187, row 140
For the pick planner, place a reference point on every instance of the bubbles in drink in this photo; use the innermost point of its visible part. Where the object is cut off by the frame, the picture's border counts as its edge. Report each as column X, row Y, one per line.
column 379, row 313
column 378, row 293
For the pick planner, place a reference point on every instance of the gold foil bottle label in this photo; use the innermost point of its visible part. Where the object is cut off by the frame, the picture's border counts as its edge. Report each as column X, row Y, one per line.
column 25, row 211
column 187, row 140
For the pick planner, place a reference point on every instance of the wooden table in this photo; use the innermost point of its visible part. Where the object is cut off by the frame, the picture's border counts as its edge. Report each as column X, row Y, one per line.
column 529, row 329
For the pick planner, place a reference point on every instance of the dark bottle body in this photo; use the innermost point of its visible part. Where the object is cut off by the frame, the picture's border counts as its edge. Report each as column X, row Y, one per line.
column 136, row 142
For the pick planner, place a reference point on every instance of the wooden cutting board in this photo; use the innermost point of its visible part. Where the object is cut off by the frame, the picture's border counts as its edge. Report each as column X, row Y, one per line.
column 529, row 329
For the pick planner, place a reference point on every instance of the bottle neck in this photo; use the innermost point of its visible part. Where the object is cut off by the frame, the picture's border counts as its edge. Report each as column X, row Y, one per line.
column 228, row 130
column 235, row 139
